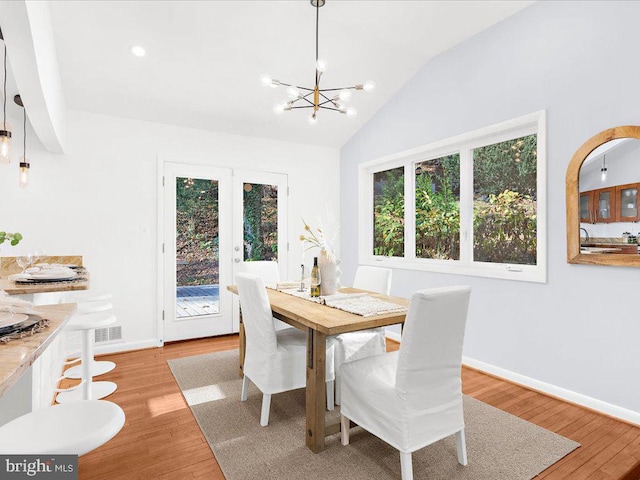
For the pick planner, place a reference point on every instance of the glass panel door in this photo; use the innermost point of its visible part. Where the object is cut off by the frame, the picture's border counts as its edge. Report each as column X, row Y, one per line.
column 259, row 222
column 197, row 251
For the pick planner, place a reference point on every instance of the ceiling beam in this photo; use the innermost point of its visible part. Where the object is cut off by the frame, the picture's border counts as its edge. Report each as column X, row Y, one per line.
column 28, row 34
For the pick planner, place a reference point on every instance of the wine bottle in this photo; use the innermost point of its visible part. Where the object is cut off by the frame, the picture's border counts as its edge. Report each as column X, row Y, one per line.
column 315, row 279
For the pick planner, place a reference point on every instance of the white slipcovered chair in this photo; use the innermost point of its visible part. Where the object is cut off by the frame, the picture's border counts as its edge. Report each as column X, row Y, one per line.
column 269, row 272
column 413, row 397
column 356, row 345
column 275, row 361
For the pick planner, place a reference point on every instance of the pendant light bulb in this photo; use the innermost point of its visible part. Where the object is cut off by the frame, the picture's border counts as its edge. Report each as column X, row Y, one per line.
column 351, row 112
column 5, row 145
column 23, row 174
column 313, row 119
column 278, row 109
column 603, row 170
column 5, row 130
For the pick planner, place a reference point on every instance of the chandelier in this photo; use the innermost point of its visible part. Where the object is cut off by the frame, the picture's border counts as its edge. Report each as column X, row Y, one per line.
column 316, row 98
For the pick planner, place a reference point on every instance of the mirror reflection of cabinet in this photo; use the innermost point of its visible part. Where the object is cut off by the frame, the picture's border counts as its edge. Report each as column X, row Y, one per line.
column 605, row 205
column 599, row 206
column 627, row 201
column 602, row 183
column 586, row 207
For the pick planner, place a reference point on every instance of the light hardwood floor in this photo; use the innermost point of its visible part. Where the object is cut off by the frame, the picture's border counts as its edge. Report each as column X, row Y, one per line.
column 161, row 439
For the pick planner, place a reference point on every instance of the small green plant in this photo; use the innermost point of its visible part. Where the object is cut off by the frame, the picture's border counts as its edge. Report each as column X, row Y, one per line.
column 13, row 238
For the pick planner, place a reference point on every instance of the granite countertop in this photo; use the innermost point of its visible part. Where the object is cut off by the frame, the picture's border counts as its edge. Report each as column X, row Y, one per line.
column 17, row 356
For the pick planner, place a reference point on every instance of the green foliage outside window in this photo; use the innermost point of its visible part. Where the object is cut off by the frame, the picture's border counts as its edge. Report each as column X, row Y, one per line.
column 504, row 205
column 196, row 231
column 438, row 208
column 388, row 213
column 260, row 222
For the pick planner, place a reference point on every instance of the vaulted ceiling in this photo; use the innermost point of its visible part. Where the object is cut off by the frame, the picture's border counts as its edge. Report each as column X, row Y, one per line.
column 204, row 59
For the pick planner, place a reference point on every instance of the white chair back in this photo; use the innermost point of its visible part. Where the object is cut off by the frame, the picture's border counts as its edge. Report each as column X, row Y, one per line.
column 268, row 271
column 430, row 357
column 374, row 279
column 258, row 324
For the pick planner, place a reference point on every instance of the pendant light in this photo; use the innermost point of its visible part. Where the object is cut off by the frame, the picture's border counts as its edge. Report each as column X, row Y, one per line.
column 317, row 98
column 23, row 174
column 5, row 128
column 603, row 170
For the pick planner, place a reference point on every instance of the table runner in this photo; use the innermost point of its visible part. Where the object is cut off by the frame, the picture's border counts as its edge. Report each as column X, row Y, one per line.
column 362, row 304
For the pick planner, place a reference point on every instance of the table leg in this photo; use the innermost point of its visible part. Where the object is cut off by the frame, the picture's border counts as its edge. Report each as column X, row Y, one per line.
column 316, row 389
column 243, row 346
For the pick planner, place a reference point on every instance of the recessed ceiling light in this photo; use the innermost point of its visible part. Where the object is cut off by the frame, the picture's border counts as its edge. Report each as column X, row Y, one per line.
column 137, row 51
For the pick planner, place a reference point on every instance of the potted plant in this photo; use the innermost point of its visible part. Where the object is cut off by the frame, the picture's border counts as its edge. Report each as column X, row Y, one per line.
column 12, row 238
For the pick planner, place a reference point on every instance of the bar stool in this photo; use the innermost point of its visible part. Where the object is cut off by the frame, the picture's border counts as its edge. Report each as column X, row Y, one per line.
column 73, row 428
column 87, row 323
column 91, row 305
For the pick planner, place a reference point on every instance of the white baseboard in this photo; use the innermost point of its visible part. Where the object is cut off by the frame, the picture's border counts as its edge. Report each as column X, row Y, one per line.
column 555, row 391
column 125, row 346
column 625, row 414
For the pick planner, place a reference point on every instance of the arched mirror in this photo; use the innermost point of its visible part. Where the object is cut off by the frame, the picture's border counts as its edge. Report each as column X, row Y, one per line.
column 603, row 183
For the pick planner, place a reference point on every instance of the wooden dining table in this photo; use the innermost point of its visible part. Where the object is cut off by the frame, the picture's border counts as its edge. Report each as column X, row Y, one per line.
column 320, row 321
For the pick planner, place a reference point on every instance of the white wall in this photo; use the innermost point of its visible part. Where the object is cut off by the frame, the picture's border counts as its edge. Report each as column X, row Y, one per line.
column 580, row 331
column 99, row 200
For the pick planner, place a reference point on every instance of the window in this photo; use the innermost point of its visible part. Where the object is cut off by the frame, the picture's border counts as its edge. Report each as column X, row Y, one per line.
column 388, row 212
column 474, row 204
column 438, row 208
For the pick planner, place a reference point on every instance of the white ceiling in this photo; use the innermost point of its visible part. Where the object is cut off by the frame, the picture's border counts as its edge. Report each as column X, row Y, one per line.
column 204, row 59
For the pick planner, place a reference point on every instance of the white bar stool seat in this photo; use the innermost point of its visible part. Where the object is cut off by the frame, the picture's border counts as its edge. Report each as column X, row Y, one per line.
column 72, row 428
column 92, row 305
column 91, row 390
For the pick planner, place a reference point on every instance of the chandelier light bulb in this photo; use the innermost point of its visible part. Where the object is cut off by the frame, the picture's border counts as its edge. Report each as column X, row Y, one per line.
column 369, row 86
column 313, row 119
column 321, row 65
column 278, row 109
column 351, row 112
column 137, row 51
column 293, row 92
column 345, row 95
column 266, row 80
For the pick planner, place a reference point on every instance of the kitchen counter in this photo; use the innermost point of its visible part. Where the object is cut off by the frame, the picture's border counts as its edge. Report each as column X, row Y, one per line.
column 615, row 248
column 9, row 267
column 17, row 356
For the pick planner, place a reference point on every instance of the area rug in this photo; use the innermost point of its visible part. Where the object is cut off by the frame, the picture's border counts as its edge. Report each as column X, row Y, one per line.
column 500, row 446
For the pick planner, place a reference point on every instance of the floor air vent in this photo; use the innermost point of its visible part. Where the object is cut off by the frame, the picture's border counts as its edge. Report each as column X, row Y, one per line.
column 108, row 334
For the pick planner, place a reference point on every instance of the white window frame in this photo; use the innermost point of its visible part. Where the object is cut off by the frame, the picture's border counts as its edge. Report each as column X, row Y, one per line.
column 534, row 123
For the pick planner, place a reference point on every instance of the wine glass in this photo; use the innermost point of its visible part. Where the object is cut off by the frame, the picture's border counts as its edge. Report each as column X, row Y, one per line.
column 39, row 255
column 24, row 261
